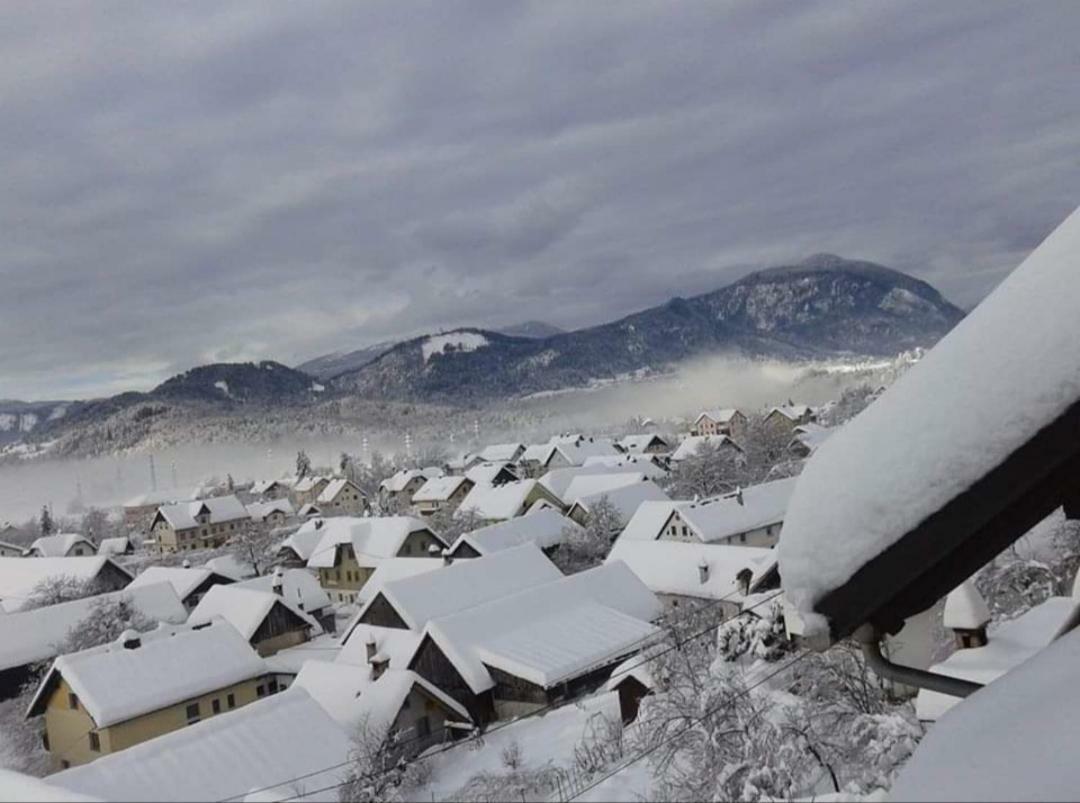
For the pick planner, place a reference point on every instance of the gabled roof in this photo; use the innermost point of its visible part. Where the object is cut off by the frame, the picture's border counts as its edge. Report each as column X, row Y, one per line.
column 231, row 565
column 394, row 643
column 485, row 473
column 32, row 636
column 498, row 501
column 397, row 482
column 965, row 609
column 285, row 741
column 721, row 415
column 625, row 499
column 243, row 608
column 221, row 509
column 395, row 569
column 353, row 700
column 586, row 485
column 497, row 452
column 264, row 486
column 673, row 567
column 722, row 517
column 544, row 528
column 553, row 631
column 183, row 581
column 309, row 483
column 690, row 445
column 793, row 412
column 335, row 487
column 439, row 489
column 928, row 483
column 260, row 510
column 576, row 453
column 303, row 541
column 18, row 576
column 372, row 538
column 635, row 444
column 57, row 546
column 172, row 664
column 465, row 584
column 299, row 587
column 114, row 546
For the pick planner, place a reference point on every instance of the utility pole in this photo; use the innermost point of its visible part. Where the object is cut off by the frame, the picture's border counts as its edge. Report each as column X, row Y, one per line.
column 153, row 474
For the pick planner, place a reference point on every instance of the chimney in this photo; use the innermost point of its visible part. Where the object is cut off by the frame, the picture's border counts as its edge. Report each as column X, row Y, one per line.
column 434, row 550
column 299, row 599
column 743, row 578
column 318, row 524
column 370, row 648
column 277, row 584
column 703, row 571
column 130, row 640
column 447, row 559
column 379, row 664
column 186, row 564
column 739, row 497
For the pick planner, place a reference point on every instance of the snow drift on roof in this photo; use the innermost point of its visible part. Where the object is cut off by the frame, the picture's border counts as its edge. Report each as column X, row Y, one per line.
column 674, row 567
column 626, row 499
column 1007, row 370
column 544, row 528
column 586, row 485
column 965, row 608
column 497, row 501
column 183, row 581
column 57, row 546
column 689, row 446
column 559, row 479
column 114, row 546
column 267, row 743
column 722, row 517
column 243, row 608
column 372, row 537
column 171, row 665
column 438, row 489
column 299, row 587
column 18, row 576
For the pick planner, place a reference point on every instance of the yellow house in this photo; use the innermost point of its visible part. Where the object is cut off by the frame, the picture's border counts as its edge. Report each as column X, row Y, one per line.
column 351, row 549
column 117, row 695
column 200, row 524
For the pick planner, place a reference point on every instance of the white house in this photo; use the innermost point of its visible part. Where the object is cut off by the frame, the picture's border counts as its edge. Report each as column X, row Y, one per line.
column 752, row 516
column 61, row 545
column 544, row 528
column 501, row 502
column 689, row 446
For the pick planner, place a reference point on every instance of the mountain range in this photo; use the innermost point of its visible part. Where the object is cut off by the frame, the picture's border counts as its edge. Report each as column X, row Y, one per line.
column 822, row 307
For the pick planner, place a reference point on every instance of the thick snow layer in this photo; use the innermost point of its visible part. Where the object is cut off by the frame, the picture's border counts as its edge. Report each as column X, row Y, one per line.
column 438, row 489
column 268, row 743
column 485, row 473
column 1009, row 741
column 335, row 487
column 575, row 454
column 1010, row 644
column 396, row 644
column 533, row 630
column 723, row 517
column 586, row 485
column 397, row 482
column 243, row 608
column 28, row 789
column 230, row 566
column 626, row 499
column 558, row 480
column 221, row 509
column 58, row 546
column 647, row 521
column 674, row 567
column 544, row 528
column 965, row 608
column 501, row 452
column 115, row 684
column 1008, row 369
column 260, row 510
column 33, row 635
column 497, row 502
column 113, row 546
column 637, row 444
column 373, row 538
column 455, row 341
column 299, row 587
column 183, row 581
column 325, row 648
column 466, row 584
column 18, row 576
column 689, row 446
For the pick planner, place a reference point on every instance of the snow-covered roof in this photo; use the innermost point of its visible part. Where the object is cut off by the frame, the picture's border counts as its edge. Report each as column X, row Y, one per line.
column 485, row 473
column 721, row 415
column 466, row 584
column 395, row 569
column 498, row 501
column 553, row 631
column 304, row 541
column 647, row 464
column 544, row 528
column 243, row 608
column 171, row 664
column 57, row 546
column 626, row 499
column 721, row 517
column 114, row 546
column 397, row 482
column 635, row 444
column 19, row 576
column 309, row 483
column 438, row 489
column 308, row 510
column 965, row 608
column 585, row 485
column 299, row 586
column 28, row 789
column 937, row 430
column 1009, row 741
column 396, row 644
column 648, row 519
column 32, row 636
column 260, row 487
column 221, row 509
column 812, row 435
column 335, row 487
column 690, row 445
column 291, row 660
column 576, row 453
column 183, row 581
column 674, row 567
column 558, row 480
column 353, row 700
column 638, row 666
column 372, row 538
column 501, row 452
column 535, row 453
column 285, row 741
column 1010, row 644
column 793, row 412
column 231, row 565
column 260, row 510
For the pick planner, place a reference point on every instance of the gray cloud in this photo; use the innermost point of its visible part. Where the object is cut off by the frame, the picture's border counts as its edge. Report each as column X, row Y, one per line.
column 191, row 182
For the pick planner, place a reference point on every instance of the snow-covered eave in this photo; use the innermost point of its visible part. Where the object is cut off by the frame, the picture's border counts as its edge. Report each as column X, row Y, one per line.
column 946, row 548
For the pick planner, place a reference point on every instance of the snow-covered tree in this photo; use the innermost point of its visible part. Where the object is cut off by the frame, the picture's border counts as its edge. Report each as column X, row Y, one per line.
column 60, row 588
column 107, row 618
column 587, row 546
column 303, row 464
column 378, row 770
column 46, row 526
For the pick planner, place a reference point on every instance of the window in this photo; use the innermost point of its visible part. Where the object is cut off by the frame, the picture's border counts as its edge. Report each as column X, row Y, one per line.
column 65, row 764
column 193, row 714
column 685, row 531
column 273, row 687
column 73, row 701
column 260, row 690
column 742, row 538
column 230, row 700
column 95, row 742
column 423, row 727
column 215, row 705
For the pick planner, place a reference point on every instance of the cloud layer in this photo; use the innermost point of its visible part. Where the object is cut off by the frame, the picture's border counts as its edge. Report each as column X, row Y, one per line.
column 201, row 181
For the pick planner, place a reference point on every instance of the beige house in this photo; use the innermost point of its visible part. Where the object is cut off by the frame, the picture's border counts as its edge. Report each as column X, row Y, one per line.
column 341, row 497
column 62, row 545
column 307, row 490
column 265, row 619
column 726, row 421
column 139, row 511
column 352, row 548
column 200, row 524
column 271, row 514
column 782, row 421
column 441, row 493
column 114, row 696
column 401, row 486
column 10, row 550
column 501, row 502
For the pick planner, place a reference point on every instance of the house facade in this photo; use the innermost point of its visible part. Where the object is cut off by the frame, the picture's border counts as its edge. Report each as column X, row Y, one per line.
column 729, row 421
column 441, row 493
column 201, row 524
column 342, row 497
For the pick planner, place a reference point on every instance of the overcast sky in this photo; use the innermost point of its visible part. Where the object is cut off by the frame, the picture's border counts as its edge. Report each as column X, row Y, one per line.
column 190, row 182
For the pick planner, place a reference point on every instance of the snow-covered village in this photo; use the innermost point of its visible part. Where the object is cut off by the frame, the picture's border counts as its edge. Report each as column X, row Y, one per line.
column 539, row 402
